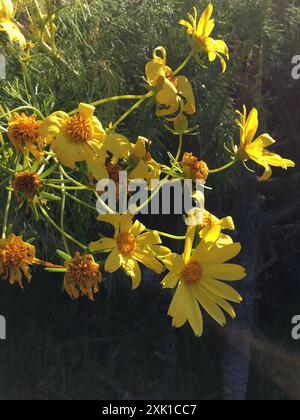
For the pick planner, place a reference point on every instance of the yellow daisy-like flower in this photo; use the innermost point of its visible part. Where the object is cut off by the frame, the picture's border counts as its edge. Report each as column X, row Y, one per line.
column 210, row 221
column 15, row 258
column 83, row 276
column 130, row 246
column 24, row 134
column 144, row 166
column 6, row 24
column 174, row 94
column 80, row 138
column 197, row 276
column 200, row 32
column 255, row 150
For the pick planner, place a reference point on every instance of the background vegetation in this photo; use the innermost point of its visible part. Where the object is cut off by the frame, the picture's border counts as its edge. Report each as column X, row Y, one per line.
column 122, row 346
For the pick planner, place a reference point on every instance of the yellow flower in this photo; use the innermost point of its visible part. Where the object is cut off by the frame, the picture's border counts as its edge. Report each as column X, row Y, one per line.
column 6, row 24
column 15, row 258
column 24, row 134
column 193, row 168
column 210, row 221
column 80, row 138
column 144, row 166
column 255, row 150
column 197, row 276
column 129, row 246
column 83, row 276
column 26, row 185
column 174, row 94
column 200, row 32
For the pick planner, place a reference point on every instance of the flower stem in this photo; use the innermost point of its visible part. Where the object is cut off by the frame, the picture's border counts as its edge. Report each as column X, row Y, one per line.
column 48, row 218
column 223, row 168
column 22, row 108
column 133, row 108
column 62, row 214
column 186, row 61
column 168, row 235
column 112, row 99
column 6, row 214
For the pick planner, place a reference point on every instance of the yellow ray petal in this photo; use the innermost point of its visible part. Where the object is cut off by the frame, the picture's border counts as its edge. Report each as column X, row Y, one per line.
column 220, row 289
column 113, row 262
column 227, row 272
column 209, row 306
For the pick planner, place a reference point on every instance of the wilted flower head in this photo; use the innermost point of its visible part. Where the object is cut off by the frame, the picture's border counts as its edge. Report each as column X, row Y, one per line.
column 26, row 185
column 24, row 134
column 83, row 276
column 15, row 258
column 193, row 168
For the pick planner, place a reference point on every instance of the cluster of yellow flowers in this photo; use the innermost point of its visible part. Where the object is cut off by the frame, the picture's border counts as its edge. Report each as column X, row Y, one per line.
column 46, row 145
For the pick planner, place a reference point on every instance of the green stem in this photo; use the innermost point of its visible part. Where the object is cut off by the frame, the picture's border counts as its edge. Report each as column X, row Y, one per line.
column 186, row 61
column 112, row 99
column 82, row 203
column 29, row 84
column 133, row 108
column 6, row 214
column 48, row 218
column 168, row 235
column 62, row 214
column 61, row 187
column 22, row 108
column 223, row 168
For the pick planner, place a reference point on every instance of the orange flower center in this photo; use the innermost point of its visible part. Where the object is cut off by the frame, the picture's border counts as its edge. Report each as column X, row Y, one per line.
column 27, row 183
column 193, row 168
column 192, row 273
column 79, row 129
column 24, row 129
column 126, row 244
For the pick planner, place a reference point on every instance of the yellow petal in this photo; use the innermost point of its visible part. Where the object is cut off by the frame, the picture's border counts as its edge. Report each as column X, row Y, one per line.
column 149, row 261
column 228, row 272
column 133, row 270
column 86, row 110
column 13, row 32
column 149, row 238
column 103, row 244
column 194, row 314
column 220, row 302
column 171, row 280
column 207, row 243
column 113, row 262
column 137, row 228
column 221, row 255
column 209, row 306
column 220, row 289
